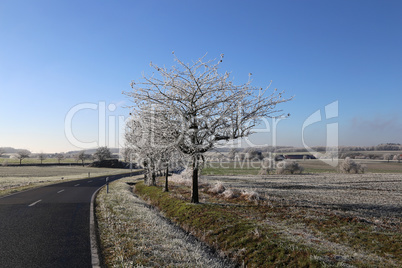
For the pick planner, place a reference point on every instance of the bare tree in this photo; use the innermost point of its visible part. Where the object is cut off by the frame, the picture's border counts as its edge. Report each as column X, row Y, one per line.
column 42, row 157
column 102, row 153
column 81, row 156
column 60, row 157
column 22, row 154
column 203, row 107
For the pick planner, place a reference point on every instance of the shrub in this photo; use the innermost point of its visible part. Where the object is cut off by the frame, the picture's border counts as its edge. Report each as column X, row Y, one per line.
column 267, row 166
column 231, row 193
column 217, row 189
column 350, row 166
column 289, row 167
column 252, row 154
column 251, row 195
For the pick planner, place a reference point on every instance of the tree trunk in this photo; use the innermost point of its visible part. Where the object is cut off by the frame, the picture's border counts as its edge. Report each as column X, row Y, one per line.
column 153, row 178
column 146, row 177
column 166, row 179
column 194, row 195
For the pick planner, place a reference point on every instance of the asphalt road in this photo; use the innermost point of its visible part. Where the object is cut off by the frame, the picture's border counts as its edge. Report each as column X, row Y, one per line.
column 48, row 226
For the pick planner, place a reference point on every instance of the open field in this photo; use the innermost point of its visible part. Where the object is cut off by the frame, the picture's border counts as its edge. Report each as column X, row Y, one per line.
column 362, row 195
column 310, row 166
column 17, row 178
column 342, row 220
column 15, row 161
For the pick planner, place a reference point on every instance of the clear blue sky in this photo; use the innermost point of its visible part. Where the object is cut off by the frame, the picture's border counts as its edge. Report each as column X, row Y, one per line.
column 57, row 55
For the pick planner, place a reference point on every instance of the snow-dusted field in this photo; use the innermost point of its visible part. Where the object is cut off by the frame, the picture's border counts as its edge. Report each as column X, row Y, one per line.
column 14, row 176
column 364, row 195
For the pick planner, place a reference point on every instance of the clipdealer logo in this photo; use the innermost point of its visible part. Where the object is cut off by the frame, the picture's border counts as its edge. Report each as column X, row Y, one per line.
column 108, row 125
column 331, row 152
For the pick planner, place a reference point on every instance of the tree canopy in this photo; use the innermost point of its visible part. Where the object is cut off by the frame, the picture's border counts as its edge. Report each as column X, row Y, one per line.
column 195, row 107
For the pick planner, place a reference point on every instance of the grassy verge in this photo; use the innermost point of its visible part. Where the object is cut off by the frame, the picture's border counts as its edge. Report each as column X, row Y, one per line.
column 268, row 234
column 133, row 235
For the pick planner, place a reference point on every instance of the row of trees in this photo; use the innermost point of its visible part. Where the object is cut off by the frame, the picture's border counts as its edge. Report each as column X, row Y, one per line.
column 101, row 153
column 341, row 149
column 185, row 111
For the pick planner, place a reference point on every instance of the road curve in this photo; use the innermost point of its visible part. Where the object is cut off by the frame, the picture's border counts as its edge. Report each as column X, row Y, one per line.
column 48, row 226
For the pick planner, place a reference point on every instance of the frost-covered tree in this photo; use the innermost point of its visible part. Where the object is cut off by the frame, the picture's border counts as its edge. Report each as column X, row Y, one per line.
column 387, row 157
column 233, row 153
column 149, row 139
column 42, row 157
column 81, row 156
column 102, row 153
column 350, row 166
column 267, row 166
column 126, row 154
column 60, row 157
column 288, row 167
column 22, row 154
column 203, row 107
column 253, row 154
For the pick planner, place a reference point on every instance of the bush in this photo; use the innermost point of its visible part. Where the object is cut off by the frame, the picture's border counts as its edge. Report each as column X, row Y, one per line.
column 350, row 166
column 253, row 154
column 231, row 193
column 109, row 163
column 267, row 166
column 251, row 196
column 289, row 167
column 217, row 189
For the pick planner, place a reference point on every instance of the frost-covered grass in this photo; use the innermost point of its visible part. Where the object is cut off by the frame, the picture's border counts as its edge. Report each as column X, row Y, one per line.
column 132, row 234
column 17, row 178
column 363, row 195
column 245, row 167
column 343, row 220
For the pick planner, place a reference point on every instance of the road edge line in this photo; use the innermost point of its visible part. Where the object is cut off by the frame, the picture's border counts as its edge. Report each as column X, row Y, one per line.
column 95, row 260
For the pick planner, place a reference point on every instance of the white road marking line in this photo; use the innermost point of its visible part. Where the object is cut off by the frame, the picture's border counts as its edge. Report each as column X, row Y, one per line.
column 89, row 181
column 77, row 184
column 60, row 191
column 34, row 203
